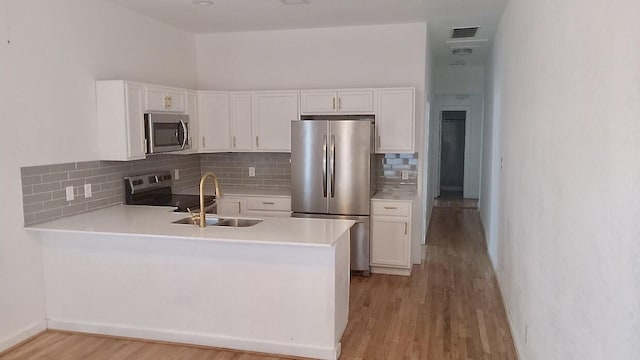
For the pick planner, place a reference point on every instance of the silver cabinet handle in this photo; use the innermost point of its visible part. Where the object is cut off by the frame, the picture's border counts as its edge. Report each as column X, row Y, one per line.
column 203, row 142
column 324, row 167
column 405, row 228
column 333, row 166
column 339, row 103
column 391, row 207
column 257, row 142
column 234, row 141
column 268, row 203
column 144, row 146
column 334, row 103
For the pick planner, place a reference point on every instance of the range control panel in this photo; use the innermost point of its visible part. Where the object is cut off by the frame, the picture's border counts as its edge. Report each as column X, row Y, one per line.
column 147, row 182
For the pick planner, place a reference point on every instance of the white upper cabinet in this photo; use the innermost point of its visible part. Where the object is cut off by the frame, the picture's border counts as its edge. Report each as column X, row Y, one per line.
column 395, row 120
column 213, row 121
column 272, row 113
column 120, row 120
column 241, row 126
column 192, row 111
column 159, row 98
column 348, row 101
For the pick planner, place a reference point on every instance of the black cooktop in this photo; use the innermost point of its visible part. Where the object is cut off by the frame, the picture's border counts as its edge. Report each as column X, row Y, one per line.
column 155, row 190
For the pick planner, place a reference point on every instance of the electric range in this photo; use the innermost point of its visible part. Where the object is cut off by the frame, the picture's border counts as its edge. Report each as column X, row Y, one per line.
column 154, row 189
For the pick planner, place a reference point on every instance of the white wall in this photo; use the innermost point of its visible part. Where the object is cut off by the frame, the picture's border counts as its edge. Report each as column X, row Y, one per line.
column 458, row 79
column 565, row 115
column 339, row 57
column 57, row 50
column 473, row 104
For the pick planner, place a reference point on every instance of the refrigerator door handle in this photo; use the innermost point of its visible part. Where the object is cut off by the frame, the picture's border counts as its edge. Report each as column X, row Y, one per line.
column 324, row 167
column 333, row 166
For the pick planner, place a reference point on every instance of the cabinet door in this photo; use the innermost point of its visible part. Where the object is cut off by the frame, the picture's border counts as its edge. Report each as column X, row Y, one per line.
column 175, row 100
column 241, row 139
column 272, row 114
column 395, row 120
column 192, row 111
column 154, row 98
column 135, row 122
column 318, row 101
column 390, row 241
column 231, row 206
column 213, row 116
column 355, row 101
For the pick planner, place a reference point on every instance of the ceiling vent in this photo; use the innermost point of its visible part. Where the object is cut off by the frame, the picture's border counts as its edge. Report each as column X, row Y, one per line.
column 464, row 32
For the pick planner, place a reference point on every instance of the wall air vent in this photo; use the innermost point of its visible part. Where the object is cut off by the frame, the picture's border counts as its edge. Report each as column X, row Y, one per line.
column 464, row 32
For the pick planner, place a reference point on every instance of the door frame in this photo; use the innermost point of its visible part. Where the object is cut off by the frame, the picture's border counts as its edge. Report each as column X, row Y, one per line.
column 467, row 130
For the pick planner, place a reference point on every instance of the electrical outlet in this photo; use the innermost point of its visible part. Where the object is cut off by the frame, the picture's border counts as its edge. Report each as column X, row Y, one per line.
column 176, row 175
column 69, row 190
column 252, row 171
column 405, row 174
column 87, row 191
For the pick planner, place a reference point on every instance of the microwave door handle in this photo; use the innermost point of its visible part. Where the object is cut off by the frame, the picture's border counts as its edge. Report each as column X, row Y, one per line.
column 185, row 134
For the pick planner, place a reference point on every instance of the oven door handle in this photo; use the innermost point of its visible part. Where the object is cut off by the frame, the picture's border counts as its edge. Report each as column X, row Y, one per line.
column 185, row 132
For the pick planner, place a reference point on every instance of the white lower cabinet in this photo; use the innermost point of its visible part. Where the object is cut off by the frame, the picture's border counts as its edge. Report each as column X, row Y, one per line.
column 258, row 206
column 391, row 237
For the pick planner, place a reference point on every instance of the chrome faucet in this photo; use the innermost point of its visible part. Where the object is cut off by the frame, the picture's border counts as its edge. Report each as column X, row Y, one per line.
column 218, row 195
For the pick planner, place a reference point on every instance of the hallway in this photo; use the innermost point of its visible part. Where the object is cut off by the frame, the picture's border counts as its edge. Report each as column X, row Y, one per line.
column 449, row 308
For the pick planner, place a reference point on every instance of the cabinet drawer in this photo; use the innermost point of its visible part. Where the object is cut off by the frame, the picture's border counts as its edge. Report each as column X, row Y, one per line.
column 390, row 208
column 268, row 203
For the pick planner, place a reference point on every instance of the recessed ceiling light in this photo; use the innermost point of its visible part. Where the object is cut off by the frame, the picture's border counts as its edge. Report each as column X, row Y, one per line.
column 203, row 2
column 295, row 2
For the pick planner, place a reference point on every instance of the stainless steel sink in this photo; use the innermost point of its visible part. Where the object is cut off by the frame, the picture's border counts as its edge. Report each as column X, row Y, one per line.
column 216, row 221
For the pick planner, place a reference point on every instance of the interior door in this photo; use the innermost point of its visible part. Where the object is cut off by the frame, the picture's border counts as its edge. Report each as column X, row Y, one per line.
column 309, row 176
column 350, row 148
column 452, row 151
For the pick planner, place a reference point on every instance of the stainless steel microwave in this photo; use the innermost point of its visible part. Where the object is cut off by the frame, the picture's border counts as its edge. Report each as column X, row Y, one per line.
column 166, row 132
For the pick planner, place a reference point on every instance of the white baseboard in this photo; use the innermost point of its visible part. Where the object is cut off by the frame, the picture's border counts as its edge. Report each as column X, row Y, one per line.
column 390, row 271
column 202, row 339
column 22, row 335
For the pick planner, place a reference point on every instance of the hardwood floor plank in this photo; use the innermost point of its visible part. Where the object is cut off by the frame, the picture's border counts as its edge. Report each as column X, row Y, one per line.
column 450, row 308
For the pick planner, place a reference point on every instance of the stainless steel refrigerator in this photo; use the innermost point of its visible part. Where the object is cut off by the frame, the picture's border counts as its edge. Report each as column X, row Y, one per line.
column 332, row 174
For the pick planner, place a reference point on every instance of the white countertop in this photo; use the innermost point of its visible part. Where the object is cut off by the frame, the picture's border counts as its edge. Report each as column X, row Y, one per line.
column 156, row 221
column 236, row 191
column 392, row 195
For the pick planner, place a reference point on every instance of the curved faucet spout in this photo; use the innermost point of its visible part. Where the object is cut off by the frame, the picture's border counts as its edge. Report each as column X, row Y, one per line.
column 218, row 195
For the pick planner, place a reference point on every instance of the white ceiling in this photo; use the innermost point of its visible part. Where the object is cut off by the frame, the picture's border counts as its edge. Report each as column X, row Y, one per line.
column 250, row 15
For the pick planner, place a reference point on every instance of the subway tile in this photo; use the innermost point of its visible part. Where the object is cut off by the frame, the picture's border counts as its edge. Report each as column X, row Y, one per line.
column 47, row 215
column 80, row 174
column 75, row 183
column 31, row 180
column 96, row 204
column 32, row 208
column 29, row 219
column 32, row 199
column 55, row 204
column 48, row 187
column 27, row 190
column 63, row 167
column 55, row 177
column 88, row 165
column 35, row 170
column 74, row 209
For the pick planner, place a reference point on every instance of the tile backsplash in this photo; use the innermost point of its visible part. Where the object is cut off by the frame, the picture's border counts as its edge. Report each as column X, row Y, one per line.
column 273, row 170
column 43, row 187
column 389, row 172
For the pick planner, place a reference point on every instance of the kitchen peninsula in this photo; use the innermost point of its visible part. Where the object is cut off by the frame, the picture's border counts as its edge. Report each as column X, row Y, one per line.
column 281, row 286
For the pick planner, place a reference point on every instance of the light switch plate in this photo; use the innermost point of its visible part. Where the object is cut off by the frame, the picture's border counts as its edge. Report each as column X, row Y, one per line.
column 87, row 191
column 176, row 174
column 252, row 171
column 69, row 190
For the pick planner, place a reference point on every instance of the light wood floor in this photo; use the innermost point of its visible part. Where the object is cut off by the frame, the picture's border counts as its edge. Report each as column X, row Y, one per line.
column 448, row 309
